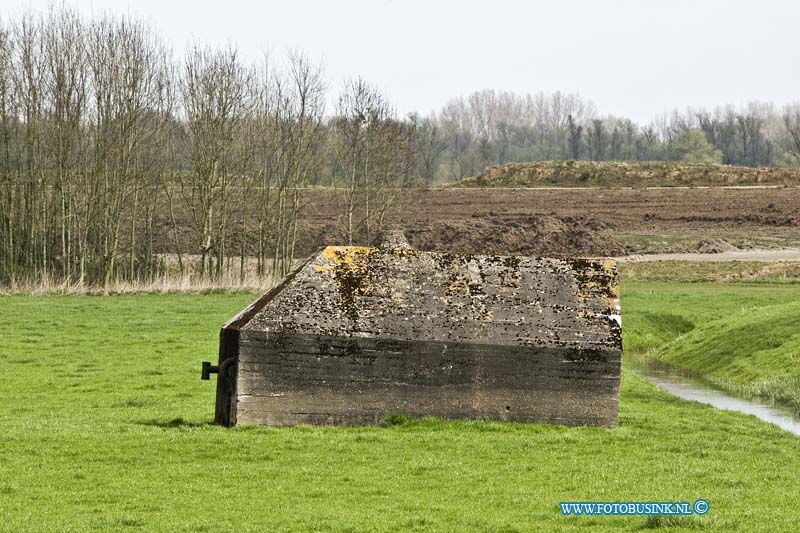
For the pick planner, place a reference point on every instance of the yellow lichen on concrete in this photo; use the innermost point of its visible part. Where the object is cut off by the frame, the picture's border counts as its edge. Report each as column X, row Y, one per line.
column 456, row 285
column 346, row 255
column 610, row 266
column 350, row 268
column 350, row 257
column 405, row 252
column 589, row 288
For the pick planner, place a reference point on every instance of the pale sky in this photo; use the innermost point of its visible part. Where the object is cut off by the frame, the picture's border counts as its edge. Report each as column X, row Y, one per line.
column 631, row 58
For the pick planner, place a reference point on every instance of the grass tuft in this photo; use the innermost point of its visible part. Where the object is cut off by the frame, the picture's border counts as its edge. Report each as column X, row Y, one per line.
column 396, row 419
column 669, row 522
column 176, row 423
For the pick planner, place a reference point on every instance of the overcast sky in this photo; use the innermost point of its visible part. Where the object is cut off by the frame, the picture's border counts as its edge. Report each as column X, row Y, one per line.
column 631, row 58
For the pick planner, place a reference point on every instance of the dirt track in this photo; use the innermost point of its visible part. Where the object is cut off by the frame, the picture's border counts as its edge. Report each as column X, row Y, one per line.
column 767, row 256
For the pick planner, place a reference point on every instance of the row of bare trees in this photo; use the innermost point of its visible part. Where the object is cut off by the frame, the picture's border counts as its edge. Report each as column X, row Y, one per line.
column 83, row 112
column 109, row 147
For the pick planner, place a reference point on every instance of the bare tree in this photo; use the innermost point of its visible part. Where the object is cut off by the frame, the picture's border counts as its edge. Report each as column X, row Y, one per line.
column 34, row 245
column 297, row 121
column 131, row 86
column 10, row 195
column 371, row 156
column 575, row 132
column 429, row 145
column 791, row 120
column 214, row 90
column 65, row 97
column 597, row 139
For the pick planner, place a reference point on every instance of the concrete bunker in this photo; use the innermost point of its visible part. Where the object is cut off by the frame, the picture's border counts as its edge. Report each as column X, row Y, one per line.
column 356, row 333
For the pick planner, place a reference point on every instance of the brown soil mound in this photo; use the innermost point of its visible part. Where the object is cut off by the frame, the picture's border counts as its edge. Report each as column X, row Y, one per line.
column 715, row 246
column 534, row 235
column 627, row 174
column 526, row 235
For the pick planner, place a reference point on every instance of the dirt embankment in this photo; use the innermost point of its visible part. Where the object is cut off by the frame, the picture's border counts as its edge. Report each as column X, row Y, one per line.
column 627, row 174
column 542, row 235
column 526, row 235
column 470, row 222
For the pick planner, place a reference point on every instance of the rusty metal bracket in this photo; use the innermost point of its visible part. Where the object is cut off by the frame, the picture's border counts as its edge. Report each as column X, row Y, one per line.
column 208, row 368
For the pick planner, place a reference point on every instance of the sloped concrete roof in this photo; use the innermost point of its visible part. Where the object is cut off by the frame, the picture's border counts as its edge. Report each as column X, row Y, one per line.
column 396, row 292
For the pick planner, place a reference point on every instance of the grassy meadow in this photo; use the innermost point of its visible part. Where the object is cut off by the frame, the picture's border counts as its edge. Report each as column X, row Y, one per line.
column 742, row 335
column 751, row 351
column 107, row 426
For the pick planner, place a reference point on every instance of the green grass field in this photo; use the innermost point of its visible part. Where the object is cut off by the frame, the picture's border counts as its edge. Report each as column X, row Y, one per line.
column 107, row 426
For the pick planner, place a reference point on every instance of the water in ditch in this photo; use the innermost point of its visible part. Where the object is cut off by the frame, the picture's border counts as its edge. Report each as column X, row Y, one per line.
column 689, row 388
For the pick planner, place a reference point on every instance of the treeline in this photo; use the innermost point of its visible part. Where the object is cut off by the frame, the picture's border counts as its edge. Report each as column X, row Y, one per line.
column 109, row 142
column 490, row 128
column 105, row 136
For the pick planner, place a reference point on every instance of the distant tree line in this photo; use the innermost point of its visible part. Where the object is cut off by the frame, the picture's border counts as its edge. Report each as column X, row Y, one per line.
column 107, row 139
column 489, row 128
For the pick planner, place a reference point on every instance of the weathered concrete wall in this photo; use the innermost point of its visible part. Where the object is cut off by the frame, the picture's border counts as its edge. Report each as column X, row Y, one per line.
column 357, row 333
column 293, row 379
